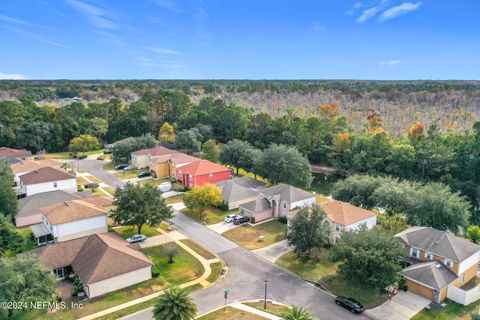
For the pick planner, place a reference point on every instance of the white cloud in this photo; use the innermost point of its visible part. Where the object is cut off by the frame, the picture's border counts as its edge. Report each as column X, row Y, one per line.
column 401, row 9
column 39, row 38
column 16, row 21
column 389, row 63
column 169, row 5
column 97, row 16
column 351, row 11
column 318, row 27
column 367, row 14
column 12, row 76
column 166, row 51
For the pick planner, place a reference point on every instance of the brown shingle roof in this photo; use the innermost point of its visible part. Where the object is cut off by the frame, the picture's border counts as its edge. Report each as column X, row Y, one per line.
column 30, row 165
column 45, row 174
column 344, row 213
column 94, row 258
column 158, row 151
column 100, row 202
column 14, row 153
column 71, row 210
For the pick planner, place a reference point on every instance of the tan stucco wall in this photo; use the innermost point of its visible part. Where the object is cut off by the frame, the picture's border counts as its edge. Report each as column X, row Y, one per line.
column 81, row 234
column 108, row 285
column 470, row 273
column 419, row 289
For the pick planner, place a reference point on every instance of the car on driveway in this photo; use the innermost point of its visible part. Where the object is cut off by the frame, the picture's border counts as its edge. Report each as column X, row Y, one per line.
column 91, row 185
column 230, row 218
column 137, row 238
column 107, row 151
column 144, row 174
column 240, row 220
column 130, row 167
column 350, row 304
column 121, row 166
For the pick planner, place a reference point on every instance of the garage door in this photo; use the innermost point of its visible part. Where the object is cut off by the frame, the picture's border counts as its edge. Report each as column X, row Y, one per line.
column 263, row 216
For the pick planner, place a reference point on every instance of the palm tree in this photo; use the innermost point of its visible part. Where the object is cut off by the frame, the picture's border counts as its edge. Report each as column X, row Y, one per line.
column 175, row 304
column 296, row 313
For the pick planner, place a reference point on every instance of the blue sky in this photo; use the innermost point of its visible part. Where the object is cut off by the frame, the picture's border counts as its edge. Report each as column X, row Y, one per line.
column 240, row 39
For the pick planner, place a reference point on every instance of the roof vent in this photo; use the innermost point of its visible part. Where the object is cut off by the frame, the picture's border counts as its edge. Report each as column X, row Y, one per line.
column 438, row 265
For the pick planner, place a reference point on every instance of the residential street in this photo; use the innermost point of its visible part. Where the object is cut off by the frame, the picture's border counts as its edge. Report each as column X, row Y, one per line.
column 247, row 272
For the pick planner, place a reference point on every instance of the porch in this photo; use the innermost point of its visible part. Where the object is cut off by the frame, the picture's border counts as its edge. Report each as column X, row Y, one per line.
column 42, row 234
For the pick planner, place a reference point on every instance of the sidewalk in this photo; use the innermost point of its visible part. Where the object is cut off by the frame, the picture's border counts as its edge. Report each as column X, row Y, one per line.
column 274, row 251
column 261, row 313
column 173, row 236
column 101, row 185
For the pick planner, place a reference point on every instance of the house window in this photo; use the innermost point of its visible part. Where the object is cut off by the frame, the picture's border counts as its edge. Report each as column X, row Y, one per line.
column 337, row 227
column 55, row 184
column 428, row 255
column 414, row 252
column 449, row 263
column 284, row 205
column 210, row 175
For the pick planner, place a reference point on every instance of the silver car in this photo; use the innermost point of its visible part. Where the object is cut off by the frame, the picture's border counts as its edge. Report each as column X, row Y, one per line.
column 137, row 238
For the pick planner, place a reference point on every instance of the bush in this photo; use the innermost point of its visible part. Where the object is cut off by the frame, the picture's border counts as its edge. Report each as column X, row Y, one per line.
column 282, row 219
column 81, row 157
column 77, row 285
column 155, row 271
column 79, row 188
column 223, row 206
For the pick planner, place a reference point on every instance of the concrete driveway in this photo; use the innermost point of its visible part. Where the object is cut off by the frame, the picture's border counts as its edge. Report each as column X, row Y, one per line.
column 403, row 306
column 274, row 251
column 221, row 227
column 94, row 167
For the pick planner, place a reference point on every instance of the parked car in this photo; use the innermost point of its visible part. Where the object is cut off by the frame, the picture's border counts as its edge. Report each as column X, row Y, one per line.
column 121, row 166
column 91, row 185
column 350, row 304
column 107, row 151
column 130, row 167
column 144, row 174
column 240, row 220
column 137, row 238
column 165, row 186
column 231, row 217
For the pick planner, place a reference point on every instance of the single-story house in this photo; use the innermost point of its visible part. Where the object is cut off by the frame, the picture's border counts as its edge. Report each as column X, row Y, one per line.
column 70, row 220
column 104, row 262
column 47, row 179
column 201, row 172
column 277, row 201
column 141, row 158
column 26, row 166
column 344, row 216
column 166, row 165
column 19, row 154
column 29, row 207
column 234, row 194
column 440, row 263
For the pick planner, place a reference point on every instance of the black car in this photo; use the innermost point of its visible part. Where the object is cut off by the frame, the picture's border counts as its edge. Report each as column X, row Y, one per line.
column 90, row 185
column 121, row 166
column 144, row 174
column 241, row 220
column 351, row 304
column 107, row 151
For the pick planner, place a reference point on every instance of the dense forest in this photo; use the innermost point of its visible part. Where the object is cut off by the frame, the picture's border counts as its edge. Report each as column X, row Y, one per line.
column 422, row 152
column 447, row 104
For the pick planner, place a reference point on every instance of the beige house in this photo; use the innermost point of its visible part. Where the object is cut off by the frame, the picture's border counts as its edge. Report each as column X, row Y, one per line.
column 440, row 263
column 141, row 158
column 103, row 262
column 166, row 165
column 238, row 191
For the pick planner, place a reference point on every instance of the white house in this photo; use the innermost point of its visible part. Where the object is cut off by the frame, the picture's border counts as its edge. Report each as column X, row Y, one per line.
column 47, row 179
column 344, row 216
column 25, row 166
column 70, row 220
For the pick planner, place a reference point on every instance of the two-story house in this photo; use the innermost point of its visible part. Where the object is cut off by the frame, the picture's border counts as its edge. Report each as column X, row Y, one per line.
column 438, row 261
column 343, row 216
column 141, row 158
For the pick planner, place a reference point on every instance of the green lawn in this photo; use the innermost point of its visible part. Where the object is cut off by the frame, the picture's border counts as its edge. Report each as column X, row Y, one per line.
column 128, row 231
column 341, row 287
column 231, row 314
column 312, row 270
column 28, row 242
column 154, row 182
column 166, row 227
column 211, row 215
column 174, row 199
column 247, row 236
column 109, row 190
column 93, row 179
column 127, row 174
column 185, row 268
column 109, row 166
column 452, row 311
column 199, row 249
column 68, row 155
column 273, row 308
column 216, row 271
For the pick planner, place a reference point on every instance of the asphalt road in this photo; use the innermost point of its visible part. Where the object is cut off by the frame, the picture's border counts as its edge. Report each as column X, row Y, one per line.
column 247, row 271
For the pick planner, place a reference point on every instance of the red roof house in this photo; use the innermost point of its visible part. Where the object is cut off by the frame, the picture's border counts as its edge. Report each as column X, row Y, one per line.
column 14, row 153
column 200, row 172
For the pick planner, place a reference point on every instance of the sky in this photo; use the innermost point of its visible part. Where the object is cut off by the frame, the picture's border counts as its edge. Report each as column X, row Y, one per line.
column 240, row 39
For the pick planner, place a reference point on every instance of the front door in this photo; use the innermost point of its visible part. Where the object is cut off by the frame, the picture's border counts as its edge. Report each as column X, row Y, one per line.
column 60, row 273
column 436, row 296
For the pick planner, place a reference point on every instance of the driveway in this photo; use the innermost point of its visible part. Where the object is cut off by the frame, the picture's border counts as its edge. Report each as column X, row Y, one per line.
column 403, row 306
column 221, row 227
column 94, row 167
column 246, row 277
column 274, row 251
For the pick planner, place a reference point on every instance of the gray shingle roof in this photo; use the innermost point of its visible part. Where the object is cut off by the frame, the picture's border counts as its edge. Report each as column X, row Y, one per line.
column 432, row 274
column 233, row 191
column 31, row 205
column 257, row 205
column 438, row 242
column 288, row 193
column 249, row 182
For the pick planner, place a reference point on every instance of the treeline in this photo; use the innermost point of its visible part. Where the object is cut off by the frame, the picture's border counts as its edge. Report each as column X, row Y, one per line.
column 324, row 136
